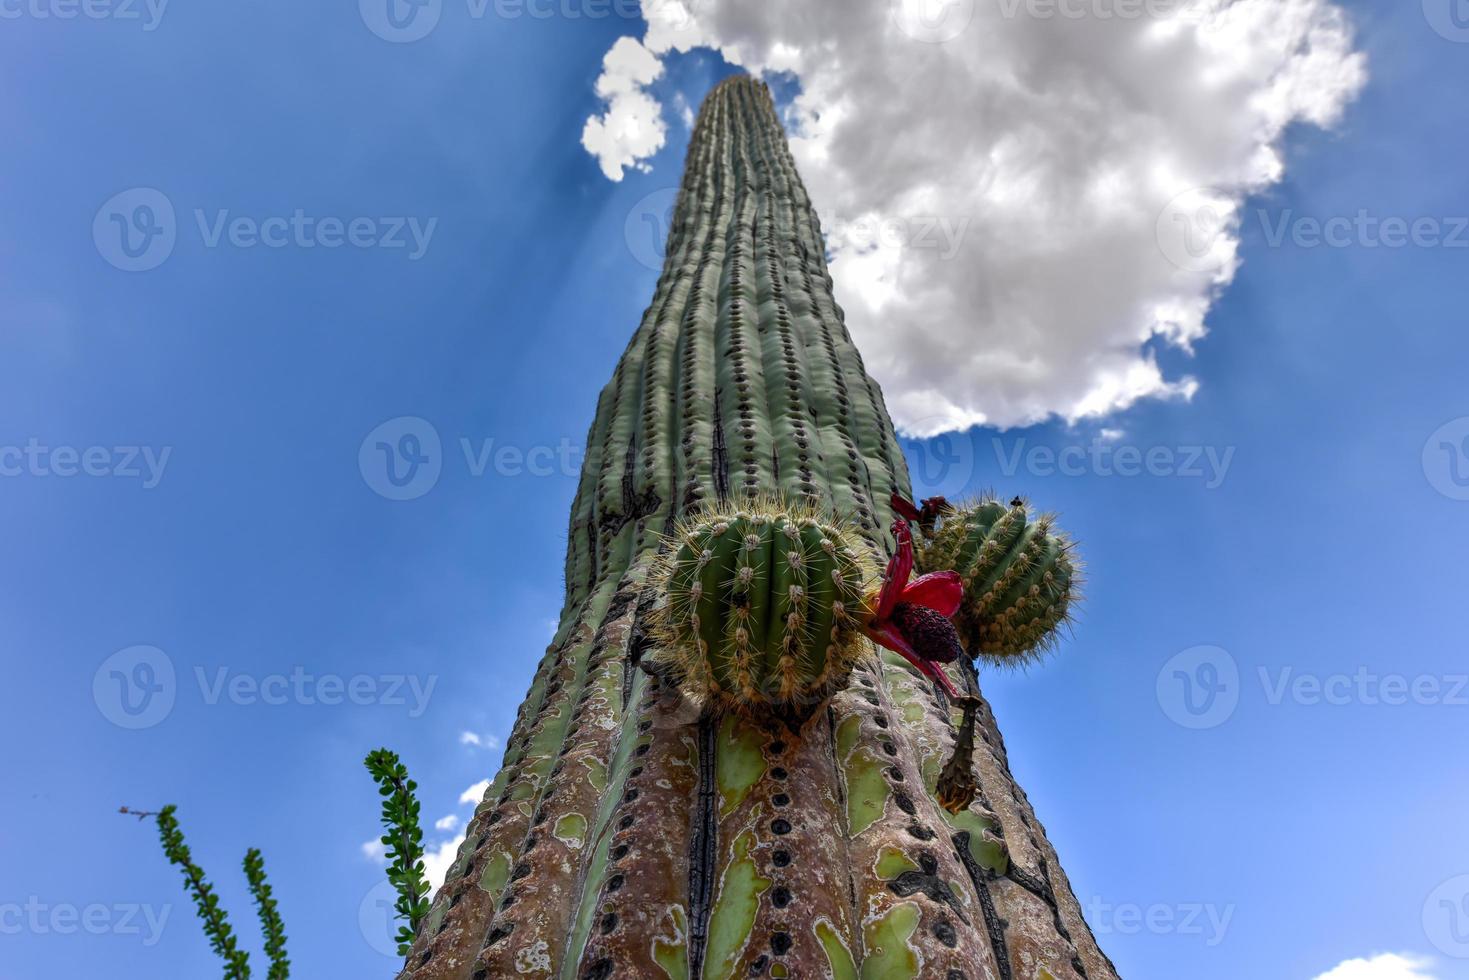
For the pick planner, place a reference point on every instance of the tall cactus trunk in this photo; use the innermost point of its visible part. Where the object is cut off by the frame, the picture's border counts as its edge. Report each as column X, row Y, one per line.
column 627, row 838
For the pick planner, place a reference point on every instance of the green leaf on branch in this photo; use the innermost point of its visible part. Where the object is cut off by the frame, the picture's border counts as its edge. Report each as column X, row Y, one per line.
column 270, row 919
column 216, row 923
column 403, row 838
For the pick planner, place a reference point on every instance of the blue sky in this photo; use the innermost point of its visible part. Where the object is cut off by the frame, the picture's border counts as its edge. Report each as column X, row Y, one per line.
column 1301, row 518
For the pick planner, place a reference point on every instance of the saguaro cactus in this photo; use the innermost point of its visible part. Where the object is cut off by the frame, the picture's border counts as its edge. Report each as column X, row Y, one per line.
column 628, row 837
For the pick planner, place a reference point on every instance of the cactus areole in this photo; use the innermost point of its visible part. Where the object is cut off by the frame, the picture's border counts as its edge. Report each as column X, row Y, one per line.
column 648, row 823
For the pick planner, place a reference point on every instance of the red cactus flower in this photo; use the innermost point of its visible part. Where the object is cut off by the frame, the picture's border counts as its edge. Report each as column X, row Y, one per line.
column 912, row 617
column 905, row 507
column 925, row 516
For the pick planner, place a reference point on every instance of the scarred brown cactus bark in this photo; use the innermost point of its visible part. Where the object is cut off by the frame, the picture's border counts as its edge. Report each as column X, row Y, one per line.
column 626, row 836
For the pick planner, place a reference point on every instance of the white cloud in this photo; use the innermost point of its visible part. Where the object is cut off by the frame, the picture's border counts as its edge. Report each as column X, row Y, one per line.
column 479, row 741
column 375, row 851
column 1016, row 213
column 475, row 793
column 684, row 110
column 631, row 128
column 439, row 858
column 1384, row 966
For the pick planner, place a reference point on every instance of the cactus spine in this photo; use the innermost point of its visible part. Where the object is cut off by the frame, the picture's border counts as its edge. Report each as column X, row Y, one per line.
column 625, row 838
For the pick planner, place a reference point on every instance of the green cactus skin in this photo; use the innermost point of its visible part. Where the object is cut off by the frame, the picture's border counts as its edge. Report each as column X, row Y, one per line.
column 631, row 835
column 763, row 608
column 1021, row 578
